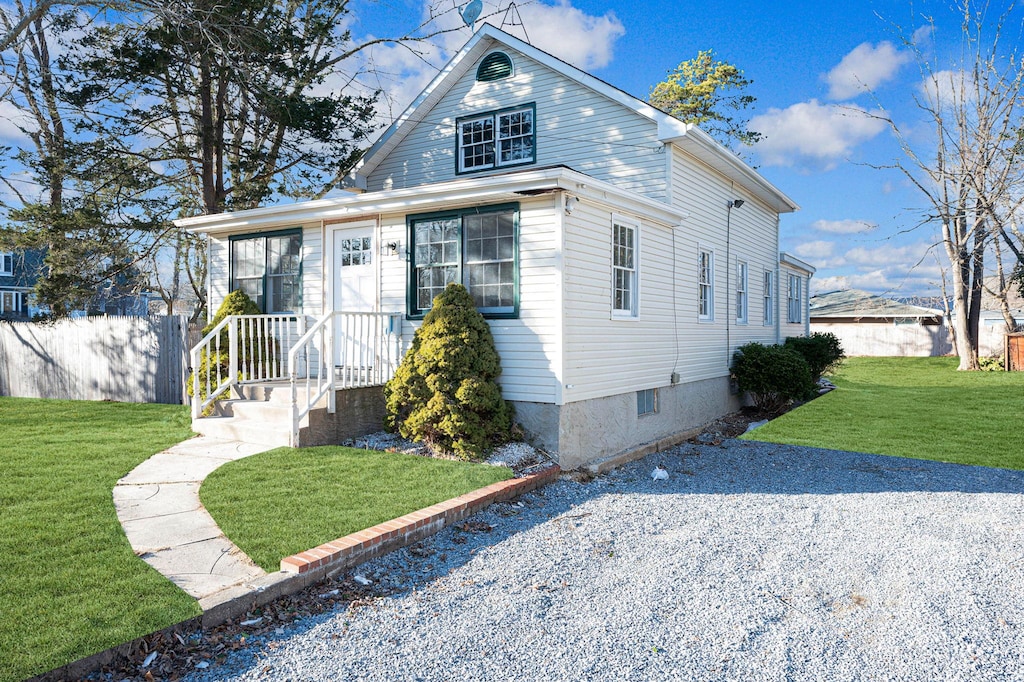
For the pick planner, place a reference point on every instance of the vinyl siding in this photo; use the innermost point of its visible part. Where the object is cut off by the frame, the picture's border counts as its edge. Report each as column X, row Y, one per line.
column 530, row 345
column 575, row 126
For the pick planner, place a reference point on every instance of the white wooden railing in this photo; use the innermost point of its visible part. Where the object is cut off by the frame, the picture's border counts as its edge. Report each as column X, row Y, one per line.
column 338, row 351
column 256, row 347
column 341, row 350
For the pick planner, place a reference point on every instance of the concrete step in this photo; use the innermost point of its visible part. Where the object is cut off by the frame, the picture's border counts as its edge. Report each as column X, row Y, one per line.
column 244, row 430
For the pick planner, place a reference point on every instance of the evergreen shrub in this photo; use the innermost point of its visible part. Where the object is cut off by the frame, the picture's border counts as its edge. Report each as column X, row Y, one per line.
column 774, row 376
column 445, row 391
column 822, row 351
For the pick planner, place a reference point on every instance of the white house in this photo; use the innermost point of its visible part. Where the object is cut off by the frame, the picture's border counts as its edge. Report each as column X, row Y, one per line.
column 620, row 255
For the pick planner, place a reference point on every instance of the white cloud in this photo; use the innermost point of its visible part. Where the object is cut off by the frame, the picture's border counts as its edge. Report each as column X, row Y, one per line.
column 946, row 88
column 12, row 120
column 823, row 285
column 816, row 249
column 843, row 226
column 865, row 68
column 907, row 257
column 583, row 40
column 400, row 72
column 813, row 133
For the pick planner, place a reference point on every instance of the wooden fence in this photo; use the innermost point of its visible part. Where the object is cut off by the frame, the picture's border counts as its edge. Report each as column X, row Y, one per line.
column 128, row 359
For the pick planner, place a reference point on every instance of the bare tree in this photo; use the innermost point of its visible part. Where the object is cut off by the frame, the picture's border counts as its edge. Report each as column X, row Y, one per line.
column 970, row 169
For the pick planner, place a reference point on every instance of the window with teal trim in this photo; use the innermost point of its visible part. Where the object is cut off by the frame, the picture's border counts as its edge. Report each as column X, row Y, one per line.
column 477, row 248
column 496, row 139
column 268, row 268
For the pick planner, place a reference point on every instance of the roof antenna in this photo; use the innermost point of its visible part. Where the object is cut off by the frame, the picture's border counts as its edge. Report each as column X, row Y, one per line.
column 471, row 12
column 514, row 18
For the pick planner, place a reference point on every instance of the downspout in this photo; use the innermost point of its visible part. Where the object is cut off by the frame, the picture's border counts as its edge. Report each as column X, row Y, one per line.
column 729, row 206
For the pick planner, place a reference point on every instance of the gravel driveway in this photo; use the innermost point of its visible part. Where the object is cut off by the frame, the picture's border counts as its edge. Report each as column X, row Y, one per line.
column 752, row 561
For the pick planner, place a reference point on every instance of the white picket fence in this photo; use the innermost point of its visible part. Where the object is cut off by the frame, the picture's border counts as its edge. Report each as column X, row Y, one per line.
column 127, row 359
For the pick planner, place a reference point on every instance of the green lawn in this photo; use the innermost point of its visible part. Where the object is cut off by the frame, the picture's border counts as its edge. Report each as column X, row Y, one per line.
column 285, row 501
column 70, row 584
column 913, row 407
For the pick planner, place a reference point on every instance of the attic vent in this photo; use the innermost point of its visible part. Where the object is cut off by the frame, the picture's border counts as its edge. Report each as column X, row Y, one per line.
column 495, row 66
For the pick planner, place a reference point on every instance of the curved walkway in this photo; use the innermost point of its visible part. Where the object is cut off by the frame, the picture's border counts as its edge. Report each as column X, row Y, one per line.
column 158, row 505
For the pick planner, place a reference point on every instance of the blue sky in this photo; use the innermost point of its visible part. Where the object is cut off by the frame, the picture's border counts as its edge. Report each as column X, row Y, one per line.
column 809, row 62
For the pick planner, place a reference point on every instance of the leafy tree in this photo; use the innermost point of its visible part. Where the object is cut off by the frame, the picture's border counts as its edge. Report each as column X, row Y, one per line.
column 710, row 93
column 445, row 390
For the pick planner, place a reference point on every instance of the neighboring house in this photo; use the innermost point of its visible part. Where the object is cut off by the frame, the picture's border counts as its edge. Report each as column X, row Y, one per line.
column 17, row 276
column 992, row 332
column 620, row 256
column 867, row 324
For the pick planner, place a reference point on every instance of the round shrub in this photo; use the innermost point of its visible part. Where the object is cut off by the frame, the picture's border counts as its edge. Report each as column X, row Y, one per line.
column 445, row 391
column 822, row 351
column 772, row 375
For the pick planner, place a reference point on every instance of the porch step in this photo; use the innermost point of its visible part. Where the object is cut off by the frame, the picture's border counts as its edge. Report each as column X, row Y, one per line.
column 244, row 430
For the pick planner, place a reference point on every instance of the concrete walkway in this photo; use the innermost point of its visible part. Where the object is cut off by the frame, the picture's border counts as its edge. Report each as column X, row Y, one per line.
column 158, row 506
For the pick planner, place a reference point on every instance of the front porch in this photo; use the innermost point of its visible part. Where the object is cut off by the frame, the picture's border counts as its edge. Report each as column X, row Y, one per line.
column 293, row 380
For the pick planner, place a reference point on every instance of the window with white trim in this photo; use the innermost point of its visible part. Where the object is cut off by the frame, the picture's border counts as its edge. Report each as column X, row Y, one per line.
column 741, row 292
column 624, row 268
column 6, row 263
column 769, row 297
column 706, row 285
column 496, row 139
column 646, row 402
column 10, row 302
column 795, row 300
column 476, row 247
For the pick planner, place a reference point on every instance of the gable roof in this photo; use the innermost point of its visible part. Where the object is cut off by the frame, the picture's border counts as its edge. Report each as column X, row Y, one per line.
column 686, row 136
column 854, row 303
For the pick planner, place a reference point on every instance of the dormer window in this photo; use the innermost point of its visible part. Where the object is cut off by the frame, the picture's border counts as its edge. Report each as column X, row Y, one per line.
column 496, row 139
column 494, row 67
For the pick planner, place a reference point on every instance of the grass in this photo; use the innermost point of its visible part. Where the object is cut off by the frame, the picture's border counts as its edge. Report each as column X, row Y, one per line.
column 70, row 584
column 286, row 501
column 913, row 407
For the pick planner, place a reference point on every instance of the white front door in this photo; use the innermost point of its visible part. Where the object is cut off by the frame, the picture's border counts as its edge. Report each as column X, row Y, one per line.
column 355, row 290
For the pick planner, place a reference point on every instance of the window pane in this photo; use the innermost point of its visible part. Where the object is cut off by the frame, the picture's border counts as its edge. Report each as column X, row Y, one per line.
column 490, row 259
column 515, row 137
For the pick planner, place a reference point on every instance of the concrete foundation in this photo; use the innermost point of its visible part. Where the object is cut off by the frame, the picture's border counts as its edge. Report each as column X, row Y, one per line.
column 587, row 431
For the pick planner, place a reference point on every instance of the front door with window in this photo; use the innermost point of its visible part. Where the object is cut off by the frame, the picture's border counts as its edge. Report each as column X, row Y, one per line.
column 355, row 291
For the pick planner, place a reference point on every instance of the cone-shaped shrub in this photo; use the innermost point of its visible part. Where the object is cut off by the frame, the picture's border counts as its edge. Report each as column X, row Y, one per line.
column 444, row 392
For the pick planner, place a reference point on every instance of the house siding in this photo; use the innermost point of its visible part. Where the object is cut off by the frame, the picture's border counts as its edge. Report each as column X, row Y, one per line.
column 575, row 127
column 529, row 345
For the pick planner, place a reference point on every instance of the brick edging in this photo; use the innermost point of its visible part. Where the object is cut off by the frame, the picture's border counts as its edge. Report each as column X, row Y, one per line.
column 357, row 548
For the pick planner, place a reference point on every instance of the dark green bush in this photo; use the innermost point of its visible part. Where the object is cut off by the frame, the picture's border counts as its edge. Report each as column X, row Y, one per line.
column 772, row 375
column 821, row 350
column 445, row 391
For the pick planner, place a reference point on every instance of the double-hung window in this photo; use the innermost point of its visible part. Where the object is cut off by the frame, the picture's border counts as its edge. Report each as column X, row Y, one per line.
column 476, row 247
column 496, row 139
column 624, row 268
column 6, row 263
column 795, row 300
column 268, row 268
column 741, row 292
column 769, row 298
column 705, row 285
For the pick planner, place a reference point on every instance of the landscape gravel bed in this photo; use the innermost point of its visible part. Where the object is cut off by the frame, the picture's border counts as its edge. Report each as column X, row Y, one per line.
column 751, row 561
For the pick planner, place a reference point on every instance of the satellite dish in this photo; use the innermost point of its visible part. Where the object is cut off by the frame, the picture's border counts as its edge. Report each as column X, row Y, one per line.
column 471, row 12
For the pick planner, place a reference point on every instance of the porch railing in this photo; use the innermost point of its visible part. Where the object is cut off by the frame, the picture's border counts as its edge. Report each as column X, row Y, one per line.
column 341, row 350
column 242, row 349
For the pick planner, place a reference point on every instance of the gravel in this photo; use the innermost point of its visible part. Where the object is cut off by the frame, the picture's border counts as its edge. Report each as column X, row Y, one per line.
column 752, row 561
